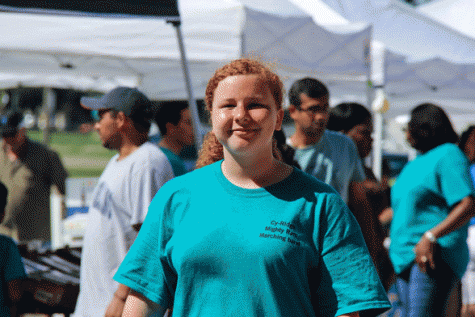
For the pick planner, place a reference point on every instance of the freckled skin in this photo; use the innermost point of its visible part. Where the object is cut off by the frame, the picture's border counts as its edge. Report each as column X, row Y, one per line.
column 244, row 114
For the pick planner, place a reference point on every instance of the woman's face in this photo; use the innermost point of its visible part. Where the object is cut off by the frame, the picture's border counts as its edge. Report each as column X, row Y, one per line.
column 361, row 135
column 244, row 115
column 470, row 147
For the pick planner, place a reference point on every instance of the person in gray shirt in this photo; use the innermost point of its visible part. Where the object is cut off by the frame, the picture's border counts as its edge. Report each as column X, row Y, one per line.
column 329, row 156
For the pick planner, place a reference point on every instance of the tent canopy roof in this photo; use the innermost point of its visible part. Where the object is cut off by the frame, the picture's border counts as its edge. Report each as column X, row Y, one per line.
column 144, row 52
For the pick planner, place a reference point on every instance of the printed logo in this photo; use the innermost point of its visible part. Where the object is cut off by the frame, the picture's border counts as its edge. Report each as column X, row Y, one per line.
column 281, row 230
column 103, row 200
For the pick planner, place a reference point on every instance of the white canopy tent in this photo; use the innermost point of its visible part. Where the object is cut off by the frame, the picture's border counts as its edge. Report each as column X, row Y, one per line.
column 404, row 30
column 457, row 14
column 415, row 59
column 144, row 51
column 439, row 59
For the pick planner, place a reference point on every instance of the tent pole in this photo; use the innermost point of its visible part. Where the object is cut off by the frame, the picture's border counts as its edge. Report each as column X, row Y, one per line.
column 378, row 144
column 378, row 105
column 191, row 100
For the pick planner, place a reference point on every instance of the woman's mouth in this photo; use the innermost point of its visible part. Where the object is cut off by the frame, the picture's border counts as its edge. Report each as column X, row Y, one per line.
column 243, row 131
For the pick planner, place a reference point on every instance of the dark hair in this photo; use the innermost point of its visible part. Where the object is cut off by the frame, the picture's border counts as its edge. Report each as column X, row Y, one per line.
column 3, row 198
column 313, row 88
column 430, row 127
column 347, row 115
column 169, row 112
column 464, row 137
column 141, row 121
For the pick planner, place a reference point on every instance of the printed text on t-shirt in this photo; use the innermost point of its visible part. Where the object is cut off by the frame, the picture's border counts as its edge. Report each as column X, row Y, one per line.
column 281, row 230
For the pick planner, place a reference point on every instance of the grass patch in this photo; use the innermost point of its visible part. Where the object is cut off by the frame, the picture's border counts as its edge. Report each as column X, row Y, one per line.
column 82, row 154
column 81, row 172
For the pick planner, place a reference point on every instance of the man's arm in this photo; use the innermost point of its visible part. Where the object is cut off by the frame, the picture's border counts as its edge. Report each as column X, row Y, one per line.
column 116, row 306
column 15, row 291
column 58, row 173
column 138, row 305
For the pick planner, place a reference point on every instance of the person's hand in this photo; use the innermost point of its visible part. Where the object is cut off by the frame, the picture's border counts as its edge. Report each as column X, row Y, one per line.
column 115, row 308
column 424, row 251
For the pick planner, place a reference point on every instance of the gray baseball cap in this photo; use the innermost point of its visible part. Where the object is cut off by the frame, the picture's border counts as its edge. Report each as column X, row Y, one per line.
column 128, row 100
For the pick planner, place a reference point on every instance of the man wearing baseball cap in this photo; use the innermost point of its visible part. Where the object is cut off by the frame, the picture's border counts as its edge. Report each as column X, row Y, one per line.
column 28, row 170
column 121, row 199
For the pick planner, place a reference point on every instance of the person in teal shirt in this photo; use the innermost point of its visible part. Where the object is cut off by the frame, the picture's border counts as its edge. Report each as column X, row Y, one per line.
column 467, row 145
column 246, row 234
column 175, row 125
column 432, row 201
column 12, row 271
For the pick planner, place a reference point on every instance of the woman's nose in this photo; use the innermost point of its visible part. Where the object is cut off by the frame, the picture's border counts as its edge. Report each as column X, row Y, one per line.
column 240, row 112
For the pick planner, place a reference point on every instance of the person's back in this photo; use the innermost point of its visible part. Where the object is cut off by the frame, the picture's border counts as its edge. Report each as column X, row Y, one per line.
column 11, row 268
column 28, row 169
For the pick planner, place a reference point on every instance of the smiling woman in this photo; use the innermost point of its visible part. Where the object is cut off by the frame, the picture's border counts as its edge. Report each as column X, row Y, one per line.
column 246, row 234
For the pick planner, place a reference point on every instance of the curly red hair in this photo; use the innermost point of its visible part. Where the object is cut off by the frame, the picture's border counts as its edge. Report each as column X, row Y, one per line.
column 211, row 150
column 245, row 66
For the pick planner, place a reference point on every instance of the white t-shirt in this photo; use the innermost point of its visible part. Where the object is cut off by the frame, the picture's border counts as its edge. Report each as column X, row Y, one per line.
column 333, row 160
column 120, row 201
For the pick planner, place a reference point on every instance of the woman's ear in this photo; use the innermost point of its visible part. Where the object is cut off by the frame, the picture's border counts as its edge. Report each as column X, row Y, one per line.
column 280, row 119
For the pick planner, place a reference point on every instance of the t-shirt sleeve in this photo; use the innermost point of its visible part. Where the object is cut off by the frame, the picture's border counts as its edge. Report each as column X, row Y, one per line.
column 454, row 176
column 147, row 178
column 347, row 276
column 146, row 267
column 14, row 268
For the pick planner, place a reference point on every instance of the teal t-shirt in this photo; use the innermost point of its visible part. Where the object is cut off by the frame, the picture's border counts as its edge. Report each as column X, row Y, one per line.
column 210, row 248
column 11, row 268
column 177, row 164
column 424, row 194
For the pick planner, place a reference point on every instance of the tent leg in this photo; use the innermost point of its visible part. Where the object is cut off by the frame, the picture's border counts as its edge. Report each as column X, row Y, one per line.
column 191, row 100
column 378, row 145
column 378, row 77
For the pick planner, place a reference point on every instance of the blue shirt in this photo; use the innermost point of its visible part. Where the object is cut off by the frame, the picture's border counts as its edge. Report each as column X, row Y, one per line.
column 210, row 248
column 424, row 194
column 334, row 160
column 176, row 162
column 11, row 268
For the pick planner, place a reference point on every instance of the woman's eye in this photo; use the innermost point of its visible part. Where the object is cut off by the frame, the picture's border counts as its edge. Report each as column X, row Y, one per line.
column 256, row 105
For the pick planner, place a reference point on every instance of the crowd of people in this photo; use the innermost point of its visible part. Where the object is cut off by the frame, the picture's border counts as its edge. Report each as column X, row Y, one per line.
column 266, row 224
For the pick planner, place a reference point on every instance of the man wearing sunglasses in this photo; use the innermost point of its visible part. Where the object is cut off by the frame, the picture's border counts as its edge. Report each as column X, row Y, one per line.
column 121, row 199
